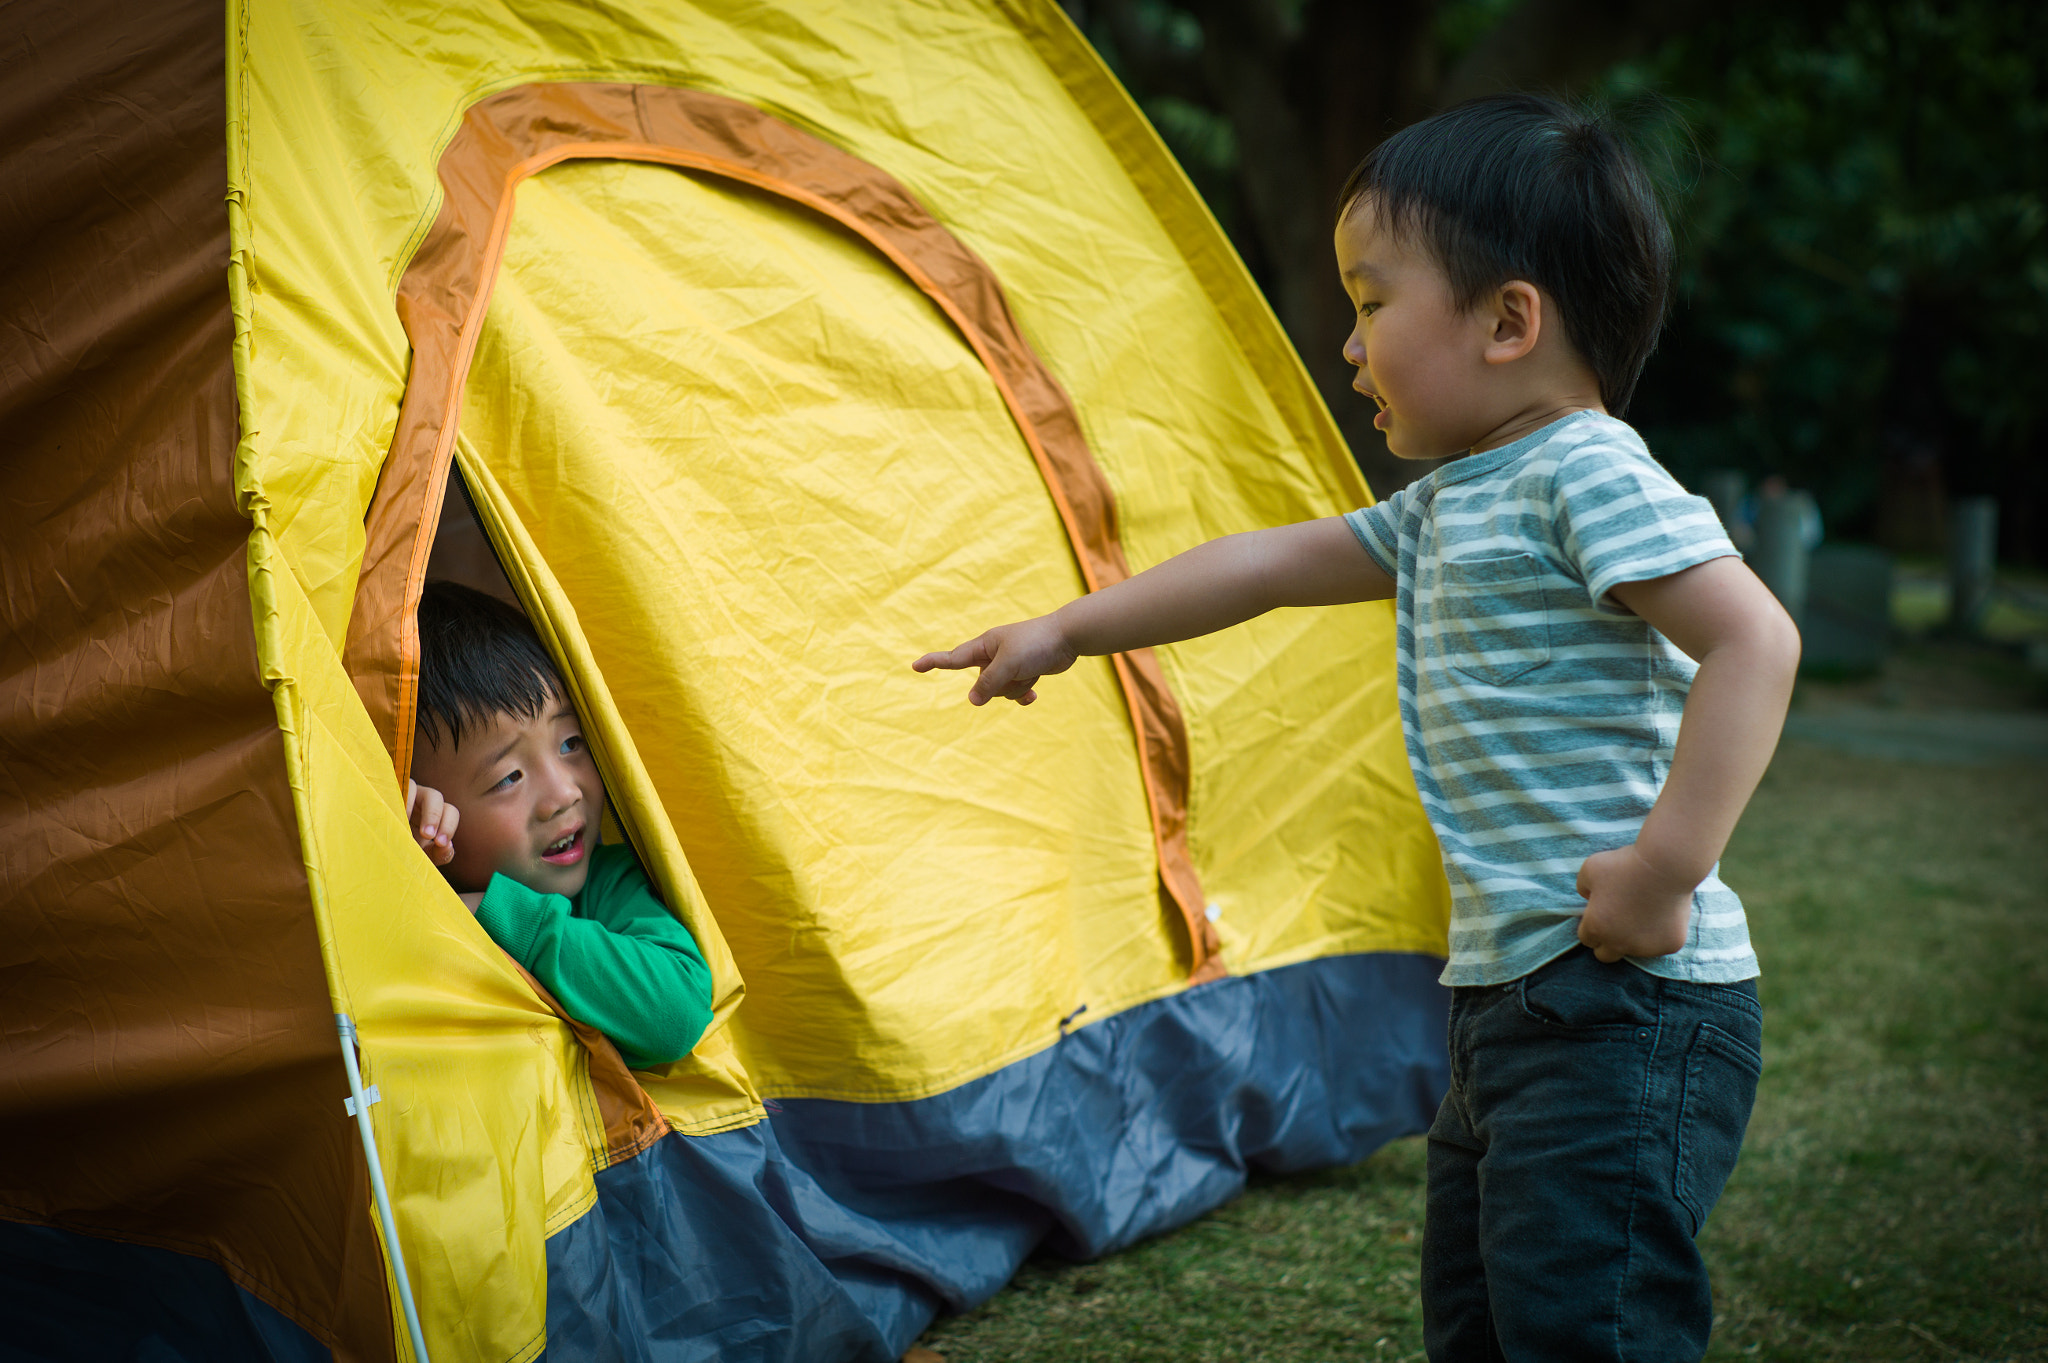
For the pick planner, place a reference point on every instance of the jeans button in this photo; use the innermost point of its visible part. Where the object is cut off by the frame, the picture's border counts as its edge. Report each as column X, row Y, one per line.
column 1643, row 1035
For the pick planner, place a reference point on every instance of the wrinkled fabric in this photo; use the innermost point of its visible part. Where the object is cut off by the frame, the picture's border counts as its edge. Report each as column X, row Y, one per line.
column 169, row 1069
column 834, row 1232
column 208, row 856
column 914, row 890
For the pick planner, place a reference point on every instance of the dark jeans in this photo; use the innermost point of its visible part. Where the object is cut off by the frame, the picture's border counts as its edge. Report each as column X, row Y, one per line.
column 1594, row 1114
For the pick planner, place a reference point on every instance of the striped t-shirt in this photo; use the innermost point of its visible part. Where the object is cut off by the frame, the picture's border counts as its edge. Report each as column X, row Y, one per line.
column 1540, row 717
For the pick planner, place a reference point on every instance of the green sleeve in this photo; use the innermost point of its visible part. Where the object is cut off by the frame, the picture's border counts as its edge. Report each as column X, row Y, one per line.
column 615, row 957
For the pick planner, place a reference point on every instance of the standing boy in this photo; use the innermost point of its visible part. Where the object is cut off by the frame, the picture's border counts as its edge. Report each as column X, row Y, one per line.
column 1591, row 685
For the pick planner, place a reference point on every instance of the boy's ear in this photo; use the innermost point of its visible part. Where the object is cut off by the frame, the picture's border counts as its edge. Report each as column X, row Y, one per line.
column 1515, row 316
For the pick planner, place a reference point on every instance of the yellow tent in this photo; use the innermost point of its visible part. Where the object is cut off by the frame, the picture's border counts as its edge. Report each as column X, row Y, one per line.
column 773, row 346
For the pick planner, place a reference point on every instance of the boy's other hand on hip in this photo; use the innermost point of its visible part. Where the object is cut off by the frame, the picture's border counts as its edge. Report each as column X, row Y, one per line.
column 1632, row 908
column 1011, row 657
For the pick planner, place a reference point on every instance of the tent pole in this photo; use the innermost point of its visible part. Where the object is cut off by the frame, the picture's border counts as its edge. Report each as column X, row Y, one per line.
column 360, row 1103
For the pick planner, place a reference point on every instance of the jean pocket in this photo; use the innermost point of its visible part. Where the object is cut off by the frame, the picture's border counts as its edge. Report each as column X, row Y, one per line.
column 1737, row 1003
column 1489, row 618
column 1721, row 1071
column 1576, row 992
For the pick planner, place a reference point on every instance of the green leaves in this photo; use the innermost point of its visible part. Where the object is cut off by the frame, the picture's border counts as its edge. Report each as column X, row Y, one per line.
column 1865, row 249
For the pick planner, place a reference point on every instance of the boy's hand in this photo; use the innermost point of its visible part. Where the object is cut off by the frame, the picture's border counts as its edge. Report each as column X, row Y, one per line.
column 1632, row 908
column 1011, row 657
column 433, row 822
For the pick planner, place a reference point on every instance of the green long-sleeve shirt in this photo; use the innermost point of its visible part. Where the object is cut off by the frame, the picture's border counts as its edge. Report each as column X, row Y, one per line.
column 614, row 956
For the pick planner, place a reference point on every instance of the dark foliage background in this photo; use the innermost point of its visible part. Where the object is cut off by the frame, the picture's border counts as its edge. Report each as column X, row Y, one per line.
column 1857, row 187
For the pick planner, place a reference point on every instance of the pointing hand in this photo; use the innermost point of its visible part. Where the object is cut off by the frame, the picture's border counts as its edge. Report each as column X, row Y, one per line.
column 1011, row 659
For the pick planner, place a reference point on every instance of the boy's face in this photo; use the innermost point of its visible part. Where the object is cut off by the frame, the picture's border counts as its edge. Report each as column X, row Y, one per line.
column 1418, row 355
column 532, row 804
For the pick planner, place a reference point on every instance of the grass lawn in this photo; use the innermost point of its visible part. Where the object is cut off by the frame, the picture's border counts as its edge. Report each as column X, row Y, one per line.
column 1893, row 1193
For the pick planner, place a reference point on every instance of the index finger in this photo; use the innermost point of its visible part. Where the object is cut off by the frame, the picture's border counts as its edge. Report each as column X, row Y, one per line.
column 973, row 653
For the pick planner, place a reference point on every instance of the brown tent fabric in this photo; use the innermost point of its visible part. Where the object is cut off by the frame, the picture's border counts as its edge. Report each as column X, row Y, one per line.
column 169, row 1068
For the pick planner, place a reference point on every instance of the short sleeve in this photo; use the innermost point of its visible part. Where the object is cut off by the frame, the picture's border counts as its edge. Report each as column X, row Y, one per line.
column 1378, row 528
column 1622, row 518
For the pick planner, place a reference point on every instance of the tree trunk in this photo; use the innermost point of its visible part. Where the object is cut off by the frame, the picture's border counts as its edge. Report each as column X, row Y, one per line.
column 1308, row 102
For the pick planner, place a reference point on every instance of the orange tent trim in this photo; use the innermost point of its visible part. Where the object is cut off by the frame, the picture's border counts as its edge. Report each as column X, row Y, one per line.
column 445, row 292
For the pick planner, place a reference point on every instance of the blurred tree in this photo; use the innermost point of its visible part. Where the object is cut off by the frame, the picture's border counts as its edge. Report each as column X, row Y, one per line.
column 1863, row 232
column 1865, row 260
column 1270, row 103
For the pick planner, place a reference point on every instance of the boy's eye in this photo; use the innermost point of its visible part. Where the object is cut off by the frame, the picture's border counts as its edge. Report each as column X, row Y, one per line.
column 1368, row 309
column 508, row 779
column 572, row 744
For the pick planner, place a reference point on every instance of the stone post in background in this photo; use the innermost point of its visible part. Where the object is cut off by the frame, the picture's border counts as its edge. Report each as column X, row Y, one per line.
column 1724, row 488
column 1847, row 630
column 1784, row 524
column 1972, row 559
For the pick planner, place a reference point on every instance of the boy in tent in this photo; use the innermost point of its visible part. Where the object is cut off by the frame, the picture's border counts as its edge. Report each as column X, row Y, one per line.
column 507, row 801
column 1591, row 684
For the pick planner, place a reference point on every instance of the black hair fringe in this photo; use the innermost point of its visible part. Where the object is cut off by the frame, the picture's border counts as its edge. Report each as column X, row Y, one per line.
column 479, row 658
column 1527, row 187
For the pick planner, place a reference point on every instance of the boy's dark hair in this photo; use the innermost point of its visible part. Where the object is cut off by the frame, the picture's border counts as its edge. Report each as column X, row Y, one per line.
column 479, row 657
column 1524, row 187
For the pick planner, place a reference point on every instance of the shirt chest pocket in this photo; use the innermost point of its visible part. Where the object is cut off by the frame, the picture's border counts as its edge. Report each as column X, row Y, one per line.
column 1489, row 619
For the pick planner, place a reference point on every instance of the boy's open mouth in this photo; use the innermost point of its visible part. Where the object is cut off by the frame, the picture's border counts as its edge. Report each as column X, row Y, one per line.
column 566, row 850
column 1379, row 418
